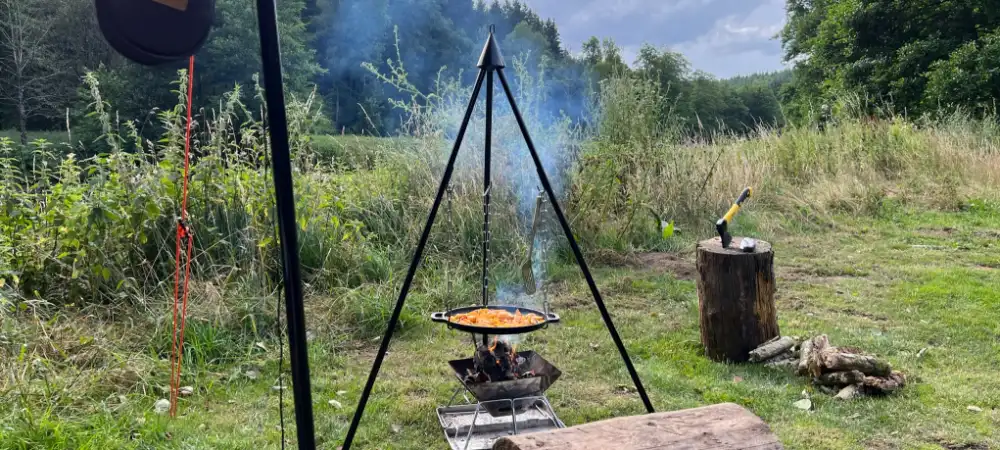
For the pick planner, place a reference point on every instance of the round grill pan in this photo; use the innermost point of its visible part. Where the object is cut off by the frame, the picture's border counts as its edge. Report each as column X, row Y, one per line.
column 444, row 317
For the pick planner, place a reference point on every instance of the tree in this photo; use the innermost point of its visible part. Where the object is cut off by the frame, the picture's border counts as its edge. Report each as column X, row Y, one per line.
column 230, row 56
column 27, row 61
column 969, row 77
column 881, row 49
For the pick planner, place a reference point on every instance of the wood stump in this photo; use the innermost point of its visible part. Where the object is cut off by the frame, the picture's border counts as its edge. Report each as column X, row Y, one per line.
column 735, row 299
column 726, row 426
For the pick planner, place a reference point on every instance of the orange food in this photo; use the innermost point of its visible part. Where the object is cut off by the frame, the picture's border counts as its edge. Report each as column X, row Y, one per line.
column 496, row 318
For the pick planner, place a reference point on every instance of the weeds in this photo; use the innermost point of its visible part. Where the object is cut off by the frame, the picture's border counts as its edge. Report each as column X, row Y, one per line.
column 86, row 242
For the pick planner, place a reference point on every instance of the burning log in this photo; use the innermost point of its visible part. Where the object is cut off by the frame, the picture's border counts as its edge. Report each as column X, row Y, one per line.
column 496, row 362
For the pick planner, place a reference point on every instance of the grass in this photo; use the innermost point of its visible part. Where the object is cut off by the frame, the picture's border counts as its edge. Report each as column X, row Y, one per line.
column 892, row 285
column 55, row 137
column 885, row 234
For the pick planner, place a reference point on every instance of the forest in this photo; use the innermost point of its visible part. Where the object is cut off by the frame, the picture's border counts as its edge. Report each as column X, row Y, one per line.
column 47, row 48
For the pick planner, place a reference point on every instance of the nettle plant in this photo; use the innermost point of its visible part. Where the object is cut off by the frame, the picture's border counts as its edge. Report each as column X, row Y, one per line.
column 101, row 229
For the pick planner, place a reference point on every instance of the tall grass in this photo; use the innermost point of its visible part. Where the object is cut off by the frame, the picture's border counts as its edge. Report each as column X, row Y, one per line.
column 638, row 171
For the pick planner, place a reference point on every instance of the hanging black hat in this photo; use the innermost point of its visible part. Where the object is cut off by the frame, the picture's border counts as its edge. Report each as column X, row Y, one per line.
column 154, row 32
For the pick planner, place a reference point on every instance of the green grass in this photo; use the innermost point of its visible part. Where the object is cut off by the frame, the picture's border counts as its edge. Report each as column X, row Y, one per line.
column 893, row 285
column 55, row 137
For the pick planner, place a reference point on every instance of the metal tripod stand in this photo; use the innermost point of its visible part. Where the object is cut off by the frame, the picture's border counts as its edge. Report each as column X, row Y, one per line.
column 490, row 63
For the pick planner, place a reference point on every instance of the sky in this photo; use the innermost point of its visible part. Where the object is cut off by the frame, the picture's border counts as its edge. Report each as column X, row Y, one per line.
column 722, row 37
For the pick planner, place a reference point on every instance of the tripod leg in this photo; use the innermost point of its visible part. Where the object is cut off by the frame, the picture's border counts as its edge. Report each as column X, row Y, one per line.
column 487, row 184
column 572, row 243
column 418, row 254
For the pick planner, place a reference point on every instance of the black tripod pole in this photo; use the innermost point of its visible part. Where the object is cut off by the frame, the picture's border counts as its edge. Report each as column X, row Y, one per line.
column 572, row 243
column 487, row 185
column 281, row 162
column 417, row 255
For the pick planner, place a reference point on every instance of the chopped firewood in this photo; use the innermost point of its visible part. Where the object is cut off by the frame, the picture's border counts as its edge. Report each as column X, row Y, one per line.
column 771, row 349
column 828, row 390
column 835, row 361
column 805, row 350
column 840, row 378
column 848, row 393
column 883, row 385
column 820, row 344
column 787, row 363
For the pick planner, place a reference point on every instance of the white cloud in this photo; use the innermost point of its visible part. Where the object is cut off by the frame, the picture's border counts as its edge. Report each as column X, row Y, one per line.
column 723, row 37
column 739, row 45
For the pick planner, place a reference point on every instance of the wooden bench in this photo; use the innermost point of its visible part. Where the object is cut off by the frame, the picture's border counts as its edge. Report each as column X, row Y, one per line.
column 719, row 427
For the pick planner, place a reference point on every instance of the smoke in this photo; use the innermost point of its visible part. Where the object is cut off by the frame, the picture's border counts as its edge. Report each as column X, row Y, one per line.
column 438, row 43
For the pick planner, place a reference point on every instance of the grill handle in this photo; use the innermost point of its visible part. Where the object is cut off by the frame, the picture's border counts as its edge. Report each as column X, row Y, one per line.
column 439, row 317
column 551, row 317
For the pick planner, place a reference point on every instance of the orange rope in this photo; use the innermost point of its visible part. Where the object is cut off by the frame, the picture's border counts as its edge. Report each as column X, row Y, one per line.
column 183, row 234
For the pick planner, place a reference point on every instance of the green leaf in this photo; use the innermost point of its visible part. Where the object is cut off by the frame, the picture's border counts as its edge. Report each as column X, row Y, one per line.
column 668, row 229
column 106, row 274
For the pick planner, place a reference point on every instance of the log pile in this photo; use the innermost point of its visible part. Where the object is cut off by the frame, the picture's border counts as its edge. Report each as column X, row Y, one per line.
column 846, row 372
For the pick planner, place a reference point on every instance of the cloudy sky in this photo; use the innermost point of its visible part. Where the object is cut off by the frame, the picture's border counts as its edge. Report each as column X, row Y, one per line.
column 722, row 37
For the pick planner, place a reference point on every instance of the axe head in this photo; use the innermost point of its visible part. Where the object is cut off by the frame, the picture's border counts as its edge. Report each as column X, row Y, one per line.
column 722, row 227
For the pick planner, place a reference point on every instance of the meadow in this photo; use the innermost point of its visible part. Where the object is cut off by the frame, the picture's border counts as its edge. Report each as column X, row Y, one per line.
column 885, row 233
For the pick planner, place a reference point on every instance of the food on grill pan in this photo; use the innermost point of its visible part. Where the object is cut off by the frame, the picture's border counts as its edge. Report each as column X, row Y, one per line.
column 496, row 318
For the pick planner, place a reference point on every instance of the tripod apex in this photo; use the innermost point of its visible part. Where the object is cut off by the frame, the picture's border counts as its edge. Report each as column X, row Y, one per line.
column 491, row 57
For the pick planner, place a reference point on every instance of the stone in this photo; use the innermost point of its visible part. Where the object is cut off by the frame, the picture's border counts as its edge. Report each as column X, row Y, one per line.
column 161, row 406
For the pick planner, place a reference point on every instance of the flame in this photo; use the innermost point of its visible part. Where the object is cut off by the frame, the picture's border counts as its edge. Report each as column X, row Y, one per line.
column 496, row 339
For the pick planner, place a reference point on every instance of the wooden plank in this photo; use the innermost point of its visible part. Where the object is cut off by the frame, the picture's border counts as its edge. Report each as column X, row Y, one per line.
column 725, row 426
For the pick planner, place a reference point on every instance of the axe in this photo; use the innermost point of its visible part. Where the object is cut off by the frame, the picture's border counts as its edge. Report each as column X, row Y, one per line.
column 722, row 226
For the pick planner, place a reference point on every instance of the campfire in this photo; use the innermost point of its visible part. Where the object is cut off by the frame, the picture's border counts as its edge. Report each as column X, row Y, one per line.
column 497, row 362
column 497, row 371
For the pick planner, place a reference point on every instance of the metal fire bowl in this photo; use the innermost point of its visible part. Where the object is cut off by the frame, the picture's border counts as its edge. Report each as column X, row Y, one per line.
column 545, row 375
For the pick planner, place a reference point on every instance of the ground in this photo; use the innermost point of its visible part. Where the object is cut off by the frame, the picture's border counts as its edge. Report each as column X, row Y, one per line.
column 917, row 288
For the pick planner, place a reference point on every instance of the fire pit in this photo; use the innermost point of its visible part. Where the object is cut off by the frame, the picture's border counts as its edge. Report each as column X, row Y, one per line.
column 500, row 373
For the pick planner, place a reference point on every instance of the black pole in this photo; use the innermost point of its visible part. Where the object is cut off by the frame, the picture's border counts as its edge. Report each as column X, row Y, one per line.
column 417, row 255
column 487, row 184
column 270, row 54
column 572, row 243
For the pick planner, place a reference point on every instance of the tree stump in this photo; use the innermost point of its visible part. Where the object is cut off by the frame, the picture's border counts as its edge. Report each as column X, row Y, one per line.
column 725, row 426
column 735, row 299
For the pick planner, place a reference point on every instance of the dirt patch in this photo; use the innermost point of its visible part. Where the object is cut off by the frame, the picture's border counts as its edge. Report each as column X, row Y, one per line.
column 682, row 268
column 965, row 446
column 867, row 315
column 936, row 232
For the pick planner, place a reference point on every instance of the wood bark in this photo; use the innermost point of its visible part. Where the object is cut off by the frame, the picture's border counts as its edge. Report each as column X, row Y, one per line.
column 841, row 378
column 771, row 349
column 805, row 350
column 883, row 385
column 719, row 427
column 735, row 299
column 820, row 345
column 835, row 361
